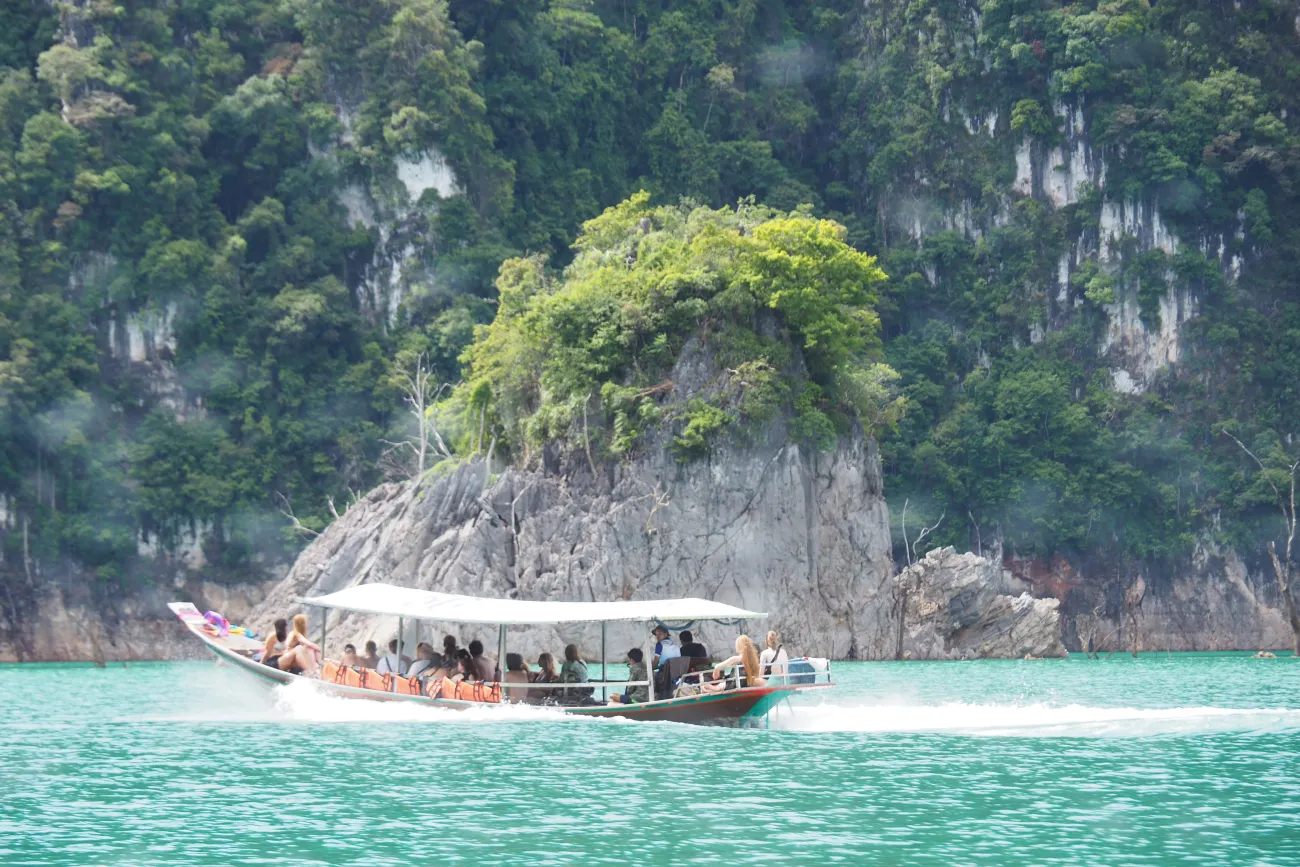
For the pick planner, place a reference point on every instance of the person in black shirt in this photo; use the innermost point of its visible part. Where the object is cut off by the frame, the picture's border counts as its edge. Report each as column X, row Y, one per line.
column 691, row 647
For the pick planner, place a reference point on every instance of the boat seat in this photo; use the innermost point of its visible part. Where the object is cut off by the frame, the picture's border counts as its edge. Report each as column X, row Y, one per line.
column 800, row 671
column 476, row 691
column 669, row 673
column 371, row 679
column 674, row 668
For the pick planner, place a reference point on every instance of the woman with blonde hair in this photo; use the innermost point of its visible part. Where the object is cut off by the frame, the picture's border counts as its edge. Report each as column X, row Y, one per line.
column 548, row 673
column 774, row 658
column 301, row 655
column 746, row 655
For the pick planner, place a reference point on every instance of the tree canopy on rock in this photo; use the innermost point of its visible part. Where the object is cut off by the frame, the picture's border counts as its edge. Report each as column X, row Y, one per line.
column 780, row 307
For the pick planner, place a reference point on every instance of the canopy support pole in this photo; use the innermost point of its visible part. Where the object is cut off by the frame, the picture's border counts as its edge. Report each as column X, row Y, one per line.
column 324, row 627
column 649, row 652
column 604, row 657
column 501, row 656
column 401, row 628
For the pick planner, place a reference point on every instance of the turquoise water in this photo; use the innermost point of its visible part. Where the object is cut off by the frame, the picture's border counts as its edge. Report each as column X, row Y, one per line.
column 1182, row 759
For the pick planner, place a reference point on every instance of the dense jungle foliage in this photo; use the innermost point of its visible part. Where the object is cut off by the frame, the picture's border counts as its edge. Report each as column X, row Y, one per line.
column 188, row 156
column 645, row 283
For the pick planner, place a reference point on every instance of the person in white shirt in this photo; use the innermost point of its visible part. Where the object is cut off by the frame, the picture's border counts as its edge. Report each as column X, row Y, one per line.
column 424, row 660
column 773, row 659
column 664, row 647
column 389, row 663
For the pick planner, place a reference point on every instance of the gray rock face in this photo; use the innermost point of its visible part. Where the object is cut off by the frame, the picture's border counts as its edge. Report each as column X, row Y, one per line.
column 954, row 608
column 1212, row 603
column 802, row 536
column 66, row 627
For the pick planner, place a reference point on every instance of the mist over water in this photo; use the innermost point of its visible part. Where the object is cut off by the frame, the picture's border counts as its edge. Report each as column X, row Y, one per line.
column 1161, row 760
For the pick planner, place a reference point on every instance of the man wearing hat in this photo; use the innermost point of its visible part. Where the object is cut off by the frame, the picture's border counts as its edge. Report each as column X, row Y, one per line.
column 664, row 647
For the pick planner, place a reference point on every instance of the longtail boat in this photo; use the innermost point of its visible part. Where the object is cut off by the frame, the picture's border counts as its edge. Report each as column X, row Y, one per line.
column 730, row 701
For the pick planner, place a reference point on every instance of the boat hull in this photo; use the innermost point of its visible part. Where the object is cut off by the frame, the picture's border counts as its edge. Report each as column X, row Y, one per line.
column 745, row 706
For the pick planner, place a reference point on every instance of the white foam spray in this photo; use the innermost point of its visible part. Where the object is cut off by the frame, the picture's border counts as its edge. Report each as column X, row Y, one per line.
column 304, row 702
column 1032, row 720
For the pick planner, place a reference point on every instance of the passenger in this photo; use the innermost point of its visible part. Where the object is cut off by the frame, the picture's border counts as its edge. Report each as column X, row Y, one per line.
column 301, row 655
column 574, row 670
column 438, row 669
column 466, row 670
column 516, row 672
column 664, row 647
column 546, row 674
column 774, row 659
column 350, row 656
column 449, row 648
column 423, row 660
column 371, row 659
column 484, row 666
column 746, row 656
column 275, row 643
column 690, row 647
column 390, row 664
column 636, row 670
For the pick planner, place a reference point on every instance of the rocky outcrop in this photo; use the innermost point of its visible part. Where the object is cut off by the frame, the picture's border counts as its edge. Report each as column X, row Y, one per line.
column 954, row 608
column 800, row 535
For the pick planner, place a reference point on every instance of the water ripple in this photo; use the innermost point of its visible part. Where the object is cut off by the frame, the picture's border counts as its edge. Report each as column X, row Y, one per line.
column 962, row 763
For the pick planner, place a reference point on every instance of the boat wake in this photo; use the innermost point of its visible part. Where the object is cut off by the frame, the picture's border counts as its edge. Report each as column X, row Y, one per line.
column 1033, row 720
column 229, row 697
column 304, row 702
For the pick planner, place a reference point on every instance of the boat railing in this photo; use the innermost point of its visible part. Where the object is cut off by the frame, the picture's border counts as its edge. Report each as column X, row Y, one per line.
column 583, row 685
column 800, row 671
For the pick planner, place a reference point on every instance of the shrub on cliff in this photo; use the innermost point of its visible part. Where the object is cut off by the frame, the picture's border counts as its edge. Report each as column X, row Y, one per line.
column 779, row 305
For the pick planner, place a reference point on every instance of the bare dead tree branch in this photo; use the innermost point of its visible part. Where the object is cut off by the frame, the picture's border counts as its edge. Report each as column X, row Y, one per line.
column 666, row 385
column 421, row 399
column 661, row 501
column 287, row 511
column 586, row 440
column 907, row 548
column 925, row 531
column 1282, row 568
column 514, row 528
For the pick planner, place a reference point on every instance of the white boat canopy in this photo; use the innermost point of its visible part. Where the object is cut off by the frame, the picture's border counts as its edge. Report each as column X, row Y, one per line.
column 427, row 605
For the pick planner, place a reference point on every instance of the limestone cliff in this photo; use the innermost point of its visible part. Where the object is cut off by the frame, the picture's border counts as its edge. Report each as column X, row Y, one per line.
column 802, row 536
column 1212, row 601
column 65, row 621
